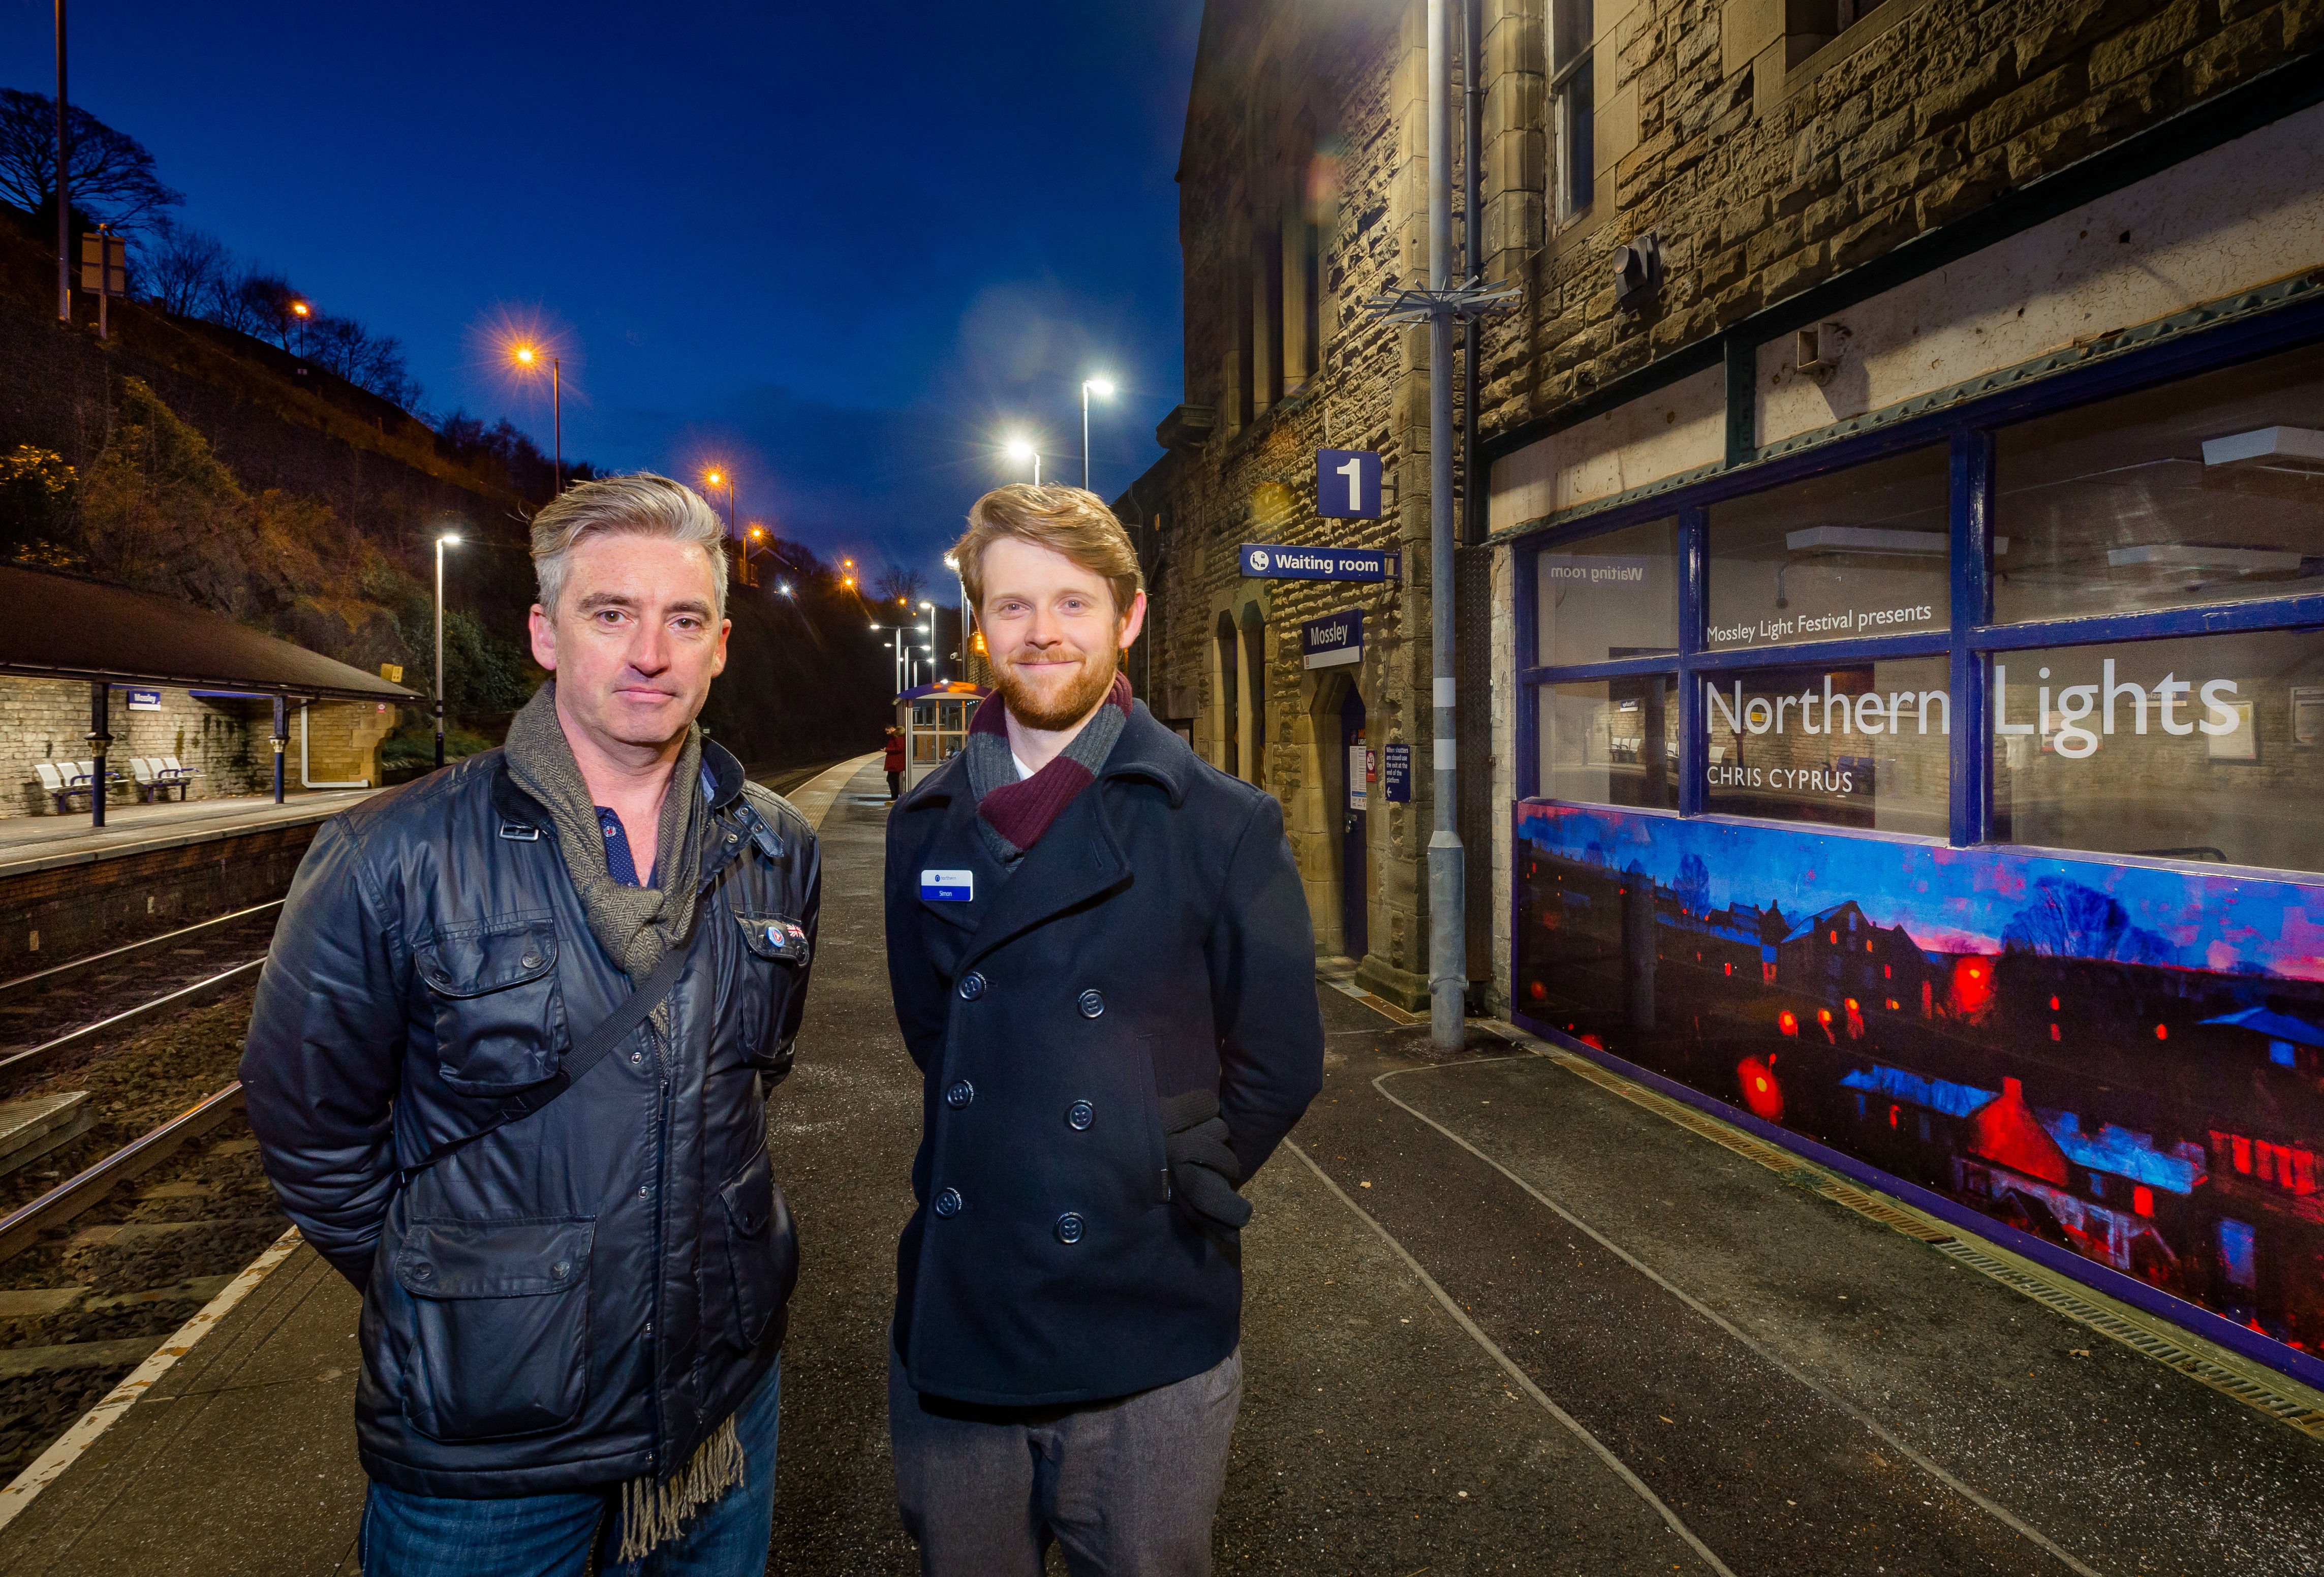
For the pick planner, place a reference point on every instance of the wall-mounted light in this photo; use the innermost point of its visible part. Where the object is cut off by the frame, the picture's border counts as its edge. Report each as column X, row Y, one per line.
column 1638, row 272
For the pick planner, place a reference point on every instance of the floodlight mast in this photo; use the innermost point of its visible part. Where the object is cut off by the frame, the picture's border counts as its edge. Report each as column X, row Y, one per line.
column 1442, row 305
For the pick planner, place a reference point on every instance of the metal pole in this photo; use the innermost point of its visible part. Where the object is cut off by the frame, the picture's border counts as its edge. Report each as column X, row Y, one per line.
column 64, row 196
column 1472, row 264
column 440, row 652
column 104, row 282
column 100, row 737
column 1085, row 466
column 556, row 413
column 1448, row 963
column 281, row 738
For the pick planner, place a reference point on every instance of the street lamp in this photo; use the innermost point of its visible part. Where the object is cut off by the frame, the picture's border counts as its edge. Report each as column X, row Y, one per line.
column 449, row 539
column 930, row 628
column 758, row 536
column 721, row 479
column 1021, row 450
column 528, row 358
column 1103, row 389
column 302, row 311
column 960, row 581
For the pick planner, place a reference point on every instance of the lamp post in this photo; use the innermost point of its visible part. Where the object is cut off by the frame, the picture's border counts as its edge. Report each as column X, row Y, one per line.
column 530, row 357
column 450, row 538
column 301, row 312
column 1021, row 450
column 1103, row 389
column 960, row 581
column 64, row 185
column 721, row 479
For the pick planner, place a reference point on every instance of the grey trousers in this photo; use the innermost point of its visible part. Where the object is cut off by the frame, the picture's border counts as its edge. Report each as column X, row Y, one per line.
column 1126, row 1488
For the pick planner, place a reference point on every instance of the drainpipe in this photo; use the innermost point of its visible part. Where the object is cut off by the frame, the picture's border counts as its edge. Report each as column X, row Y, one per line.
column 1472, row 260
column 304, row 780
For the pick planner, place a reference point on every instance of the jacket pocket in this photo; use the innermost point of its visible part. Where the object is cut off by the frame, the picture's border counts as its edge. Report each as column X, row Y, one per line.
column 779, row 955
column 499, row 1017
column 500, row 1324
column 761, row 1247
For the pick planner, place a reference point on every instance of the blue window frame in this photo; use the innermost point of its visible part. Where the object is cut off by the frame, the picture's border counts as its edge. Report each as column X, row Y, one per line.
column 1970, row 640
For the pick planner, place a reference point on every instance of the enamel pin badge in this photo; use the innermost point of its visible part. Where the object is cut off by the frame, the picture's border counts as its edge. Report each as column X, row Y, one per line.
column 948, row 886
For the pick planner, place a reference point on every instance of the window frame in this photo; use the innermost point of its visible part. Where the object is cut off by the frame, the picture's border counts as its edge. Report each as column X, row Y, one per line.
column 1971, row 639
column 1564, row 98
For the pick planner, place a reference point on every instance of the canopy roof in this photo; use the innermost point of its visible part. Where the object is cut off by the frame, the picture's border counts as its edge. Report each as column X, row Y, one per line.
column 947, row 688
column 56, row 626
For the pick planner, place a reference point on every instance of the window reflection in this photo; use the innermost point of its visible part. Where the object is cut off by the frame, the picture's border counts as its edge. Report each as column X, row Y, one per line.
column 1611, row 742
column 1610, row 596
column 2210, row 490
column 1866, row 746
column 1860, row 552
column 2201, row 748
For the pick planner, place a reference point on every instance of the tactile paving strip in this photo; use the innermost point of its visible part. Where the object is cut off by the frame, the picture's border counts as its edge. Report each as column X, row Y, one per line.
column 2140, row 1339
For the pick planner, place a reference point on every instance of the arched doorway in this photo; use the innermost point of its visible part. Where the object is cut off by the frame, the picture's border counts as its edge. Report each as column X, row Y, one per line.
column 1226, row 687
column 1355, row 812
column 1253, row 738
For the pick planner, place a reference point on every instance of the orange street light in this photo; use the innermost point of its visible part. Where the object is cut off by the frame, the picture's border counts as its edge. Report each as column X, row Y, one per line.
column 528, row 358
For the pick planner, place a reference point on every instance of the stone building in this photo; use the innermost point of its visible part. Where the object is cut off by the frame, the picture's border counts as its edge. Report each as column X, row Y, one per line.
column 1781, row 256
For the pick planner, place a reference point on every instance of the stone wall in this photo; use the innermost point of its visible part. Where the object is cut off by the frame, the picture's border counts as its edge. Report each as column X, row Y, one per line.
column 224, row 742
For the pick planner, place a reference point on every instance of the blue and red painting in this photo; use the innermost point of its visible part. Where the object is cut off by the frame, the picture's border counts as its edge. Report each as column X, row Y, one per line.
column 2126, row 1060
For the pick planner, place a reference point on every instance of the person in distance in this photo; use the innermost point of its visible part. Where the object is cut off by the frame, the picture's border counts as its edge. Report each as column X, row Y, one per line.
column 507, row 1070
column 1103, row 965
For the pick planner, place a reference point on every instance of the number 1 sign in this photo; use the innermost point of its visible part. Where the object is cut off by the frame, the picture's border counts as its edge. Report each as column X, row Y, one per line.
column 1348, row 484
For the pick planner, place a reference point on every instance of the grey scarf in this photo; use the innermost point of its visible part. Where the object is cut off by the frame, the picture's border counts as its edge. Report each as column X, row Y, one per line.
column 637, row 927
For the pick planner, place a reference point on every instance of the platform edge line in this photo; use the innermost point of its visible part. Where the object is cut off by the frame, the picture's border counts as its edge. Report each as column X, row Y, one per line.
column 1992, row 1509
column 50, row 1464
column 1515, row 1370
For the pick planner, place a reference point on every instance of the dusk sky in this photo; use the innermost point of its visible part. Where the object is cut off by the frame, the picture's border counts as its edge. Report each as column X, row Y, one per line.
column 843, row 250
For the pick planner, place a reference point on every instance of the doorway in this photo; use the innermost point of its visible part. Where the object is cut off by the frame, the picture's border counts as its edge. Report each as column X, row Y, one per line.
column 1355, row 809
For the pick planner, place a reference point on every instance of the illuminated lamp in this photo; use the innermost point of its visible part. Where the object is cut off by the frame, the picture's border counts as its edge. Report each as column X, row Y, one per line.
column 1892, row 1004
column 1823, row 1015
column 1761, row 1094
column 2054, row 1004
column 2161, row 1032
column 1788, row 1022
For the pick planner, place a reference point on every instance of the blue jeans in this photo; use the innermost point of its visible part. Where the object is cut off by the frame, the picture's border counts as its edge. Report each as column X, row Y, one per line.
column 551, row 1535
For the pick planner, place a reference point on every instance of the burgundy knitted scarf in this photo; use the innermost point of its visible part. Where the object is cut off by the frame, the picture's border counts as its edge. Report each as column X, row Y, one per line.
column 1012, row 813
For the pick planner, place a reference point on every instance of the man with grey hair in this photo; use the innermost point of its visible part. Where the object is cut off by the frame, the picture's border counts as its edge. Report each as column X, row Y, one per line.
column 507, row 1068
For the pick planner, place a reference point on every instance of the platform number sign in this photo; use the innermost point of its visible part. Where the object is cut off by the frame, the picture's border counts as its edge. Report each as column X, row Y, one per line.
column 1348, row 484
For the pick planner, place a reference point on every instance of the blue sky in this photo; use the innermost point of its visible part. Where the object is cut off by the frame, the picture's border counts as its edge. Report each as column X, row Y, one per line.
column 842, row 249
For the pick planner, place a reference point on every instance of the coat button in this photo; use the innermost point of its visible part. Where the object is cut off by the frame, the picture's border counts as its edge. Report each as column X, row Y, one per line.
column 1080, row 1115
column 972, row 986
column 1070, row 1227
column 947, row 1205
column 1092, row 1004
column 422, row 1272
column 961, row 1094
column 530, row 961
column 561, row 1270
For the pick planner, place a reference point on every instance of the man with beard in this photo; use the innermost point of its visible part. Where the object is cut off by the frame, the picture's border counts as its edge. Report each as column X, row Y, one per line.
column 1103, row 965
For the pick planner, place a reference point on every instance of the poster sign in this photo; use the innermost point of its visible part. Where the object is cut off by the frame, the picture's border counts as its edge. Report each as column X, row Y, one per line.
column 1333, row 639
column 1358, row 790
column 1398, row 785
column 144, row 700
column 1348, row 484
column 1275, row 561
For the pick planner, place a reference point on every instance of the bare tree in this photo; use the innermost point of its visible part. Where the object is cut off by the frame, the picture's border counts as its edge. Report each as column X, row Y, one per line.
column 257, row 302
column 186, row 272
column 367, row 360
column 900, row 584
column 112, row 176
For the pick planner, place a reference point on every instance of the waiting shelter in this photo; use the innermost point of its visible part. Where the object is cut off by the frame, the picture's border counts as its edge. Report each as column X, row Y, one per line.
column 62, row 627
column 935, row 719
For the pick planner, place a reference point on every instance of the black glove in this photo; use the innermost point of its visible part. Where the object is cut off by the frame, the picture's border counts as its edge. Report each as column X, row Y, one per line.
column 1203, row 1170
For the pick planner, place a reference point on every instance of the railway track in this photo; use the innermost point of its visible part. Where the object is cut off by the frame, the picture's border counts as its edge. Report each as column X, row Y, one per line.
column 98, row 1269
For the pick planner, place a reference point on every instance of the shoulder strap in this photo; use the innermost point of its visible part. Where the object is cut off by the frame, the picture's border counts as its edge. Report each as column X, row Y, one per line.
column 614, row 1028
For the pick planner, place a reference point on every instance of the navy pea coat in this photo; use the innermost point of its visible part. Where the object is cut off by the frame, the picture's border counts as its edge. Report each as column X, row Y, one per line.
column 1155, row 941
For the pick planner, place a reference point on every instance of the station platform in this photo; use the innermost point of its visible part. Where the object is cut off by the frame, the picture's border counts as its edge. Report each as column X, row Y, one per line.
column 1505, row 1312
column 43, row 843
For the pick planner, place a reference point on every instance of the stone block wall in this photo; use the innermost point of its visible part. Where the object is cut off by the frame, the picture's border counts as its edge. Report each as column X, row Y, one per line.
column 224, row 742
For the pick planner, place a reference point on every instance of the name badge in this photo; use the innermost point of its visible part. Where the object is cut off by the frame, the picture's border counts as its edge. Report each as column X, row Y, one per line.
column 948, row 886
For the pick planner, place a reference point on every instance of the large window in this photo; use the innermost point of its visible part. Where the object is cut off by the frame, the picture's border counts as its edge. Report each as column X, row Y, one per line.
column 1573, row 94
column 2208, row 491
column 2149, row 679
column 1866, row 551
